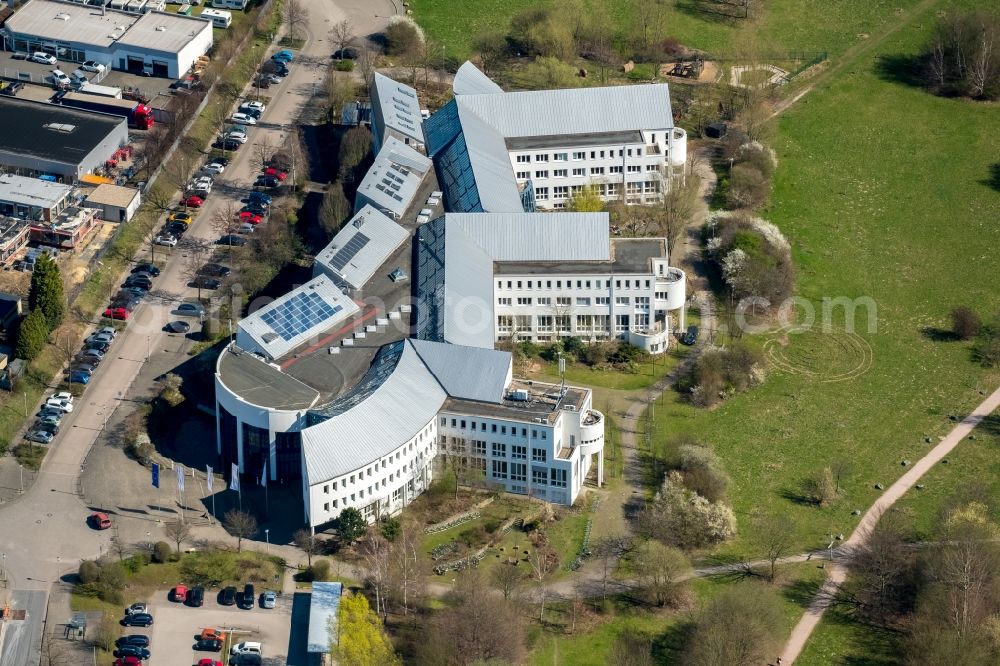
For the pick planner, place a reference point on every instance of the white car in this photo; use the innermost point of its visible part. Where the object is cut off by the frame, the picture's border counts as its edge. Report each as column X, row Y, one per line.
column 253, row 106
column 92, row 66
column 246, row 647
column 168, row 241
column 214, row 169
column 243, row 119
column 59, row 78
column 79, row 77
column 236, row 135
column 62, row 405
column 44, row 58
column 65, row 396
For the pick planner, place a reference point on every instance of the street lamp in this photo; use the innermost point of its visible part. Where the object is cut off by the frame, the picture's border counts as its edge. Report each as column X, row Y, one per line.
column 20, row 469
column 267, row 539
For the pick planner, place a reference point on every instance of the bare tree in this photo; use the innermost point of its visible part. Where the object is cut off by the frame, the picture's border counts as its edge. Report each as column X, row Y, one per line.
column 306, row 541
column 226, row 220
column 260, row 156
column 295, row 17
column 609, row 549
column 775, row 537
column 375, row 553
column 543, row 563
column 406, row 579
column 193, row 261
column 342, row 35
column 241, row 525
column 177, row 531
column 507, row 577
column 118, row 545
column 366, row 60
column 660, row 570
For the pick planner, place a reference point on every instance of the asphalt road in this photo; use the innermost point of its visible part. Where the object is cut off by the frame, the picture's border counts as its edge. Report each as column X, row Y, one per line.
column 45, row 533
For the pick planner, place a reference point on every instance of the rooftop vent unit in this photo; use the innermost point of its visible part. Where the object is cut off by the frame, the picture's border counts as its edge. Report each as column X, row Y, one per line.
column 269, row 337
column 65, row 128
column 62, row 16
column 569, row 408
column 160, row 28
column 520, row 395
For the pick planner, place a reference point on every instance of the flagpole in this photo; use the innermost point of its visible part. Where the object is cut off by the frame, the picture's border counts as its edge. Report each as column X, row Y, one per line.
column 208, row 483
column 267, row 506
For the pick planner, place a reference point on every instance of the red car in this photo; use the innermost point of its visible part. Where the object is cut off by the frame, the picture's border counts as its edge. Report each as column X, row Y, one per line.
column 100, row 520
column 116, row 313
column 128, row 661
column 192, row 202
column 208, row 661
column 179, row 593
column 271, row 171
column 252, row 218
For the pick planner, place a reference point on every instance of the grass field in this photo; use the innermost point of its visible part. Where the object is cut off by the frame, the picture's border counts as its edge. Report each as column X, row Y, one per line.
column 882, row 190
column 786, row 25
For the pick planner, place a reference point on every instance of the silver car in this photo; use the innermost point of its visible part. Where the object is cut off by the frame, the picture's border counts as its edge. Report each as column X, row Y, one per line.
column 269, row 599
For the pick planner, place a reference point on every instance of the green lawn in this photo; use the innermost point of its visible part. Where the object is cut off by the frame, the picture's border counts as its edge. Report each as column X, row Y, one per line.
column 786, row 25
column 881, row 189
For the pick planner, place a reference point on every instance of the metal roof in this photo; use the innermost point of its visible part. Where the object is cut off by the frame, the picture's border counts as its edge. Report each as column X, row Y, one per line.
column 107, row 194
column 350, row 259
column 54, row 132
column 324, row 604
column 536, row 236
column 32, row 191
column 394, row 178
column 467, row 373
column 397, row 106
column 294, row 318
column 167, row 32
column 64, row 22
column 470, row 81
column 260, row 383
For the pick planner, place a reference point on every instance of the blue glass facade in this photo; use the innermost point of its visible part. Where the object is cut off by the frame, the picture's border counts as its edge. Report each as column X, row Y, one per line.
column 446, row 145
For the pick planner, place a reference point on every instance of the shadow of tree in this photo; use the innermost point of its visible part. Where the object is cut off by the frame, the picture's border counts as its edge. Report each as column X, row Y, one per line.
column 801, row 592
column 669, row 646
column 901, row 68
column 991, row 424
column 993, row 180
column 938, row 334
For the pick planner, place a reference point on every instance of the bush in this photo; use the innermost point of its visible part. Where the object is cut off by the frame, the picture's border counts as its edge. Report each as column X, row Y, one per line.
column 161, row 552
column 88, row 572
column 403, row 37
column 209, row 568
column 703, row 473
column 820, row 488
column 345, row 66
column 718, row 372
column 753, row 258
column 748, row 187
column 683, row 518
column 492, row 524
column 390, row 529
column 965, row 323
column 320, row 570
column 135, row 562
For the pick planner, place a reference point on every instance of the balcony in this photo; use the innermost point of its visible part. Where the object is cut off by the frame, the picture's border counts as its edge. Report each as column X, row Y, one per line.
column 591, row 432
column 653, row 150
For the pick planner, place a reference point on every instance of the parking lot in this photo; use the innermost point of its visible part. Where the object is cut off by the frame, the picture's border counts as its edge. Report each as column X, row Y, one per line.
column 177, row 627
column 26, row 70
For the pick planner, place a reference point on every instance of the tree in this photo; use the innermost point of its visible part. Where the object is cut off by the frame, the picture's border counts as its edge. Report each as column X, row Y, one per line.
column 241, row 525
column 296, row 17
column 335, row 209
column 46, row 293
column 609, row 549
column 306, row 541
column 341, row 35
column 820, row 488
column 683, row 518
column 741, row 626
column 340, row 89
column 161, row 552
column 350, row 525
column 965, row 323
column 405, row 578
column 403, row 37
column 659, row 569
column 193, row 261
column 366, row 61
column 748, row 187
column 587, row 200
column 883, row 569
column 226, row 221
column 32, row 335
column 88, row 571
column 361, row 640
column 177, row 531
column 506, row 578
column 375, row 552
column 547, row 72
column 631, row 648
column 354, row 147
column 543, row 562
column 492, row 50
column 774, row 536
column 702, row 471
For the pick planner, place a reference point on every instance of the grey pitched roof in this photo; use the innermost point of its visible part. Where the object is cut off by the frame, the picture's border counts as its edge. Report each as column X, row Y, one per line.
column 375, row 236
column 398, row 106
column 394, row 178
column 536, row 236
column 491, row 165
column 470, row 81
column 467, row 373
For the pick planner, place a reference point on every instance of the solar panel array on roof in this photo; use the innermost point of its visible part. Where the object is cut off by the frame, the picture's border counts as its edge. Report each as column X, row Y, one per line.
column 298, row 314
column 346, row 253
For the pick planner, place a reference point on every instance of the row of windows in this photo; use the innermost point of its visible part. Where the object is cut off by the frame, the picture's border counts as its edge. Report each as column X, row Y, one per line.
column 540, row 476
column 583, row 172
column 481, row 426
column 456, row 446
column 641, row 302
column 585, row 323
column 580, row 284
column 390, row 459
column 582, row 154
column 345, row 501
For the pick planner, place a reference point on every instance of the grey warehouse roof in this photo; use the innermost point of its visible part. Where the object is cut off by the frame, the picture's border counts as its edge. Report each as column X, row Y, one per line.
column 394, row 178
column 397, row 103
column 52, row 132
column 360, row 247
column 32, row 191
column 64, row 22
column 162, row 31
column 469, row 80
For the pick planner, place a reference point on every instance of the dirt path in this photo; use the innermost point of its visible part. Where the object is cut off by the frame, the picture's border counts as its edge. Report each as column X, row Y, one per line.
column 853, row 53
column 863, row 531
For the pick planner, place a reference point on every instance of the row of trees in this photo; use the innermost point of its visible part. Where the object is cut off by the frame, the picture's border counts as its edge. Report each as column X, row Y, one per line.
column 47, row 304
column 753, row 258
column 963, row 56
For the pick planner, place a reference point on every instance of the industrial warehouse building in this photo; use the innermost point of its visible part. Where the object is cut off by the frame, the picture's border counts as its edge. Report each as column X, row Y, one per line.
column 41, row 139
column 156, row 43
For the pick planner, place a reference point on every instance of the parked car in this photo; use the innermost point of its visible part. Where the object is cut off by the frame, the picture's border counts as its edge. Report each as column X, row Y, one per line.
column 177, row 327
column 691, row 336
column 253, row 106
column 110, row 331
column 44, row 58
column 91, row 353
column 49, row 420
column 137, row 620
column 218, row 270
column 92, row 66
column 65, row 396
column 253, row 210
column 284, row 55
column 246, row 228
column 120, row 314
column 232, row 240
column 137, row 607
column 137, row 281
column 175, row 229
column 51, row 428
column 168, row 241
column 78, row 77
column 39, row 436
column 209, row 633
column 259, row 197
column 208, row 645
column 268, row 599
column 227, row 144
column 132, row 651
column 242, row 119
column 190, row 309
column 205, row 282
column 208, row 661
column 186, row 218
column 59, row 78
column 270, row 78
column 127, row 661
column 138, row 640
column 195, row 596
column 104, row 346
column 348, row 53
column 277, row 173
column 99, row 520
column 235, row 135
column 224, row 161
column 246, row 647
column 202, row 183
column 249, row 597
column 63, row 405
column 250, row 217
column 192, row 202
column 246, row 659
column 213, row 168
column 82, row 368
column 179, row 593
column 227, row 597
column 266, row 181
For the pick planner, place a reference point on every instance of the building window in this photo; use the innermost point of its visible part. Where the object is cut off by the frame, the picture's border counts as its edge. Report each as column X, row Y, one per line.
column 541, row 193
column 601, row 300
column 614, row 169
column 621, row 323
column 560, row 173
column 642, row 302
column 499, row 450
column 634, row 168
column 524, row 159
column 518, row 471
column 523, row 175
column 505, row 323
column 518, row 452
column 544, row 300
column 583, row 300
column 542, row 174
column 621, row 300
column 560, row 157
column 557, row 477
column 579, row 155
column 542, row 157
column 479, row 447
column 597, row 171
column 538, row 455
column 579, row 172
column 524, row 301
column 563, row 300
column 651, row 167
column 499, row 469
column 560, row 192
column 539, row 476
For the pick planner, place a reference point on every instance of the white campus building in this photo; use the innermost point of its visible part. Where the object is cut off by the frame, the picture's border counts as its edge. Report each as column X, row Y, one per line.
column 498, row 151
column 481, row 278
column 395, row 113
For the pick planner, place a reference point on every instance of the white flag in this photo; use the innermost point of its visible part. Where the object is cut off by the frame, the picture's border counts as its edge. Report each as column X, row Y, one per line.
column 180, row 477
column 263, row 476
column 234, row 477
column 208, row 477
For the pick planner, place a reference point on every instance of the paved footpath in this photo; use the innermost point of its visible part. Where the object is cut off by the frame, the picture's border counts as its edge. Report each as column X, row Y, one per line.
column 861, row 534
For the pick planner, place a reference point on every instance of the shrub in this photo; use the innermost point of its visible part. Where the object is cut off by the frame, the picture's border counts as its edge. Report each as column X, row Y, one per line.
column 820, row 488
column 32, row 335
column 753, row 257
column 320, row 570
column 403, row 37
column 161, row 552
column 748, row 187
column 135, row 562
column 720, row 371
column 965, row 323
column 492, row 524
column 208, row 568
column 702, row 472
column 390, row 528
column 345, row 66
column 683, row 518
column 88, row 572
